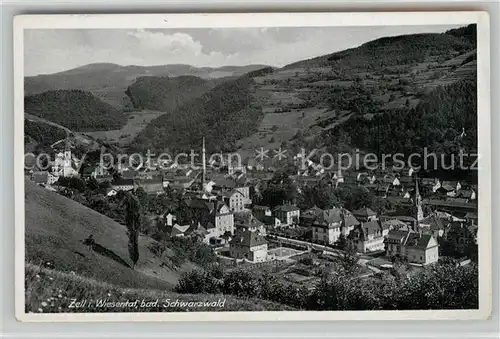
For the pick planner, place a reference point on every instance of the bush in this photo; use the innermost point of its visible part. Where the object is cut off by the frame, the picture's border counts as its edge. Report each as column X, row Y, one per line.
column 440, row 286
column 241, row 283
column 198, row 281
column 306, row 261
column 190, row 248
column 72, row 182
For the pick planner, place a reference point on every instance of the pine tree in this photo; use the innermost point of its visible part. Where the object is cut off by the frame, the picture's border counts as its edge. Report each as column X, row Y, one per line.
column 133, row 222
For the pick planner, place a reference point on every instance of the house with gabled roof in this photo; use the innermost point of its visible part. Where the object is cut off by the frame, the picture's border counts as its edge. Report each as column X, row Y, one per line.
column 392, row 180
column 408, row 220
column 229, row 183
column 432, row 224
column 422, row 248
column 307, row 217
column 471, row 218
column 248, row 245
column 365, row 214
column 394, row 224
column 330, row 224
column 249, row 222
column 212, row 215
column 466, row 194
column 449, row 188
column 195, row 229
column 177, row 230
column 419, row 248
column 288, row 214
column 461, row 233
column 234, row 199
column 178, row 182
column 368, row 236
column 455, row 185
column 430, row 183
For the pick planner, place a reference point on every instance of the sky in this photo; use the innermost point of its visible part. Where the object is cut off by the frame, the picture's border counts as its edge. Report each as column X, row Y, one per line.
column 49, row 51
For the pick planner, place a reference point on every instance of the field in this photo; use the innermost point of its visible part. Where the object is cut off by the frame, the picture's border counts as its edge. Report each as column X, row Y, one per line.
column 136, row 122
column 114, row 96
column 56, row 227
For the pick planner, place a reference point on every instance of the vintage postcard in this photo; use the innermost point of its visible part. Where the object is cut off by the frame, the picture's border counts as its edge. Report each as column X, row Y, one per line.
column 279, row 166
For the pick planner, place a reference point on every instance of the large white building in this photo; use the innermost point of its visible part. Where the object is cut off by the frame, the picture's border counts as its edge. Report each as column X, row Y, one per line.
column 235, row 200
column 330, row 224
column 248, row 245
column 63, row 165
column 417, row 247
column 212, row 215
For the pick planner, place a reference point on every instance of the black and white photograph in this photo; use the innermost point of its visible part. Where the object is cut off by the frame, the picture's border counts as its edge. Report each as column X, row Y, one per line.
column 318, row 169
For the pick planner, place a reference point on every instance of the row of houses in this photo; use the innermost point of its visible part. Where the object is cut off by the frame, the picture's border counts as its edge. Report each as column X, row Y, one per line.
column 364, row 230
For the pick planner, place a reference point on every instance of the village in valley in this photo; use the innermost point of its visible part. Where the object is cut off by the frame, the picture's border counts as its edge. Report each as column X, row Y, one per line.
column 412, row 221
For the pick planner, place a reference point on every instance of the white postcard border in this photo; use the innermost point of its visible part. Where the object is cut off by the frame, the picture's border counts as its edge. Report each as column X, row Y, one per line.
column 109, row 21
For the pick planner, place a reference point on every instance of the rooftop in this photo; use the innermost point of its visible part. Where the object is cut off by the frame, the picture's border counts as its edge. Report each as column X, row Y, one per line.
column 364, row 212
column 286, row 208
column 248, row 239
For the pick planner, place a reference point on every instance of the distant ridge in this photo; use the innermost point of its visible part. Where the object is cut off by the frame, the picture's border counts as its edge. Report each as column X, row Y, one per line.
column 100, row 75
column 109, row 81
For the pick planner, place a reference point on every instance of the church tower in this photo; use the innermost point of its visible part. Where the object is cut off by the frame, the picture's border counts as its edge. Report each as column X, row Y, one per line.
column 204, row 170
column 64, row 160
column 418, row 202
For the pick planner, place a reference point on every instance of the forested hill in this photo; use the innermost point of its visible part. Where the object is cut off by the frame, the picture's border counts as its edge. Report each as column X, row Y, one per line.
column 391, row 51
column 223, row 115
column 74, row 109
column 164, row 93
column 436, row 123
column 468, row 33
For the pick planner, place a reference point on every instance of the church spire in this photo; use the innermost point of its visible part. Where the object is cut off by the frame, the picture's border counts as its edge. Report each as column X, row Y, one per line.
column 418, row 202
column 204, row 167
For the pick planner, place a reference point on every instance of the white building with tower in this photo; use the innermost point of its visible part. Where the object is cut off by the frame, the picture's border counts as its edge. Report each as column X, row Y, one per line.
column 63, row 165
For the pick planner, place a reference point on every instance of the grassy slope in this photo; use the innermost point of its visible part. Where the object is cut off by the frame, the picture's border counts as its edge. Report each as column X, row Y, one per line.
column 51, row 291
column 136, row 122
column 56, row 227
